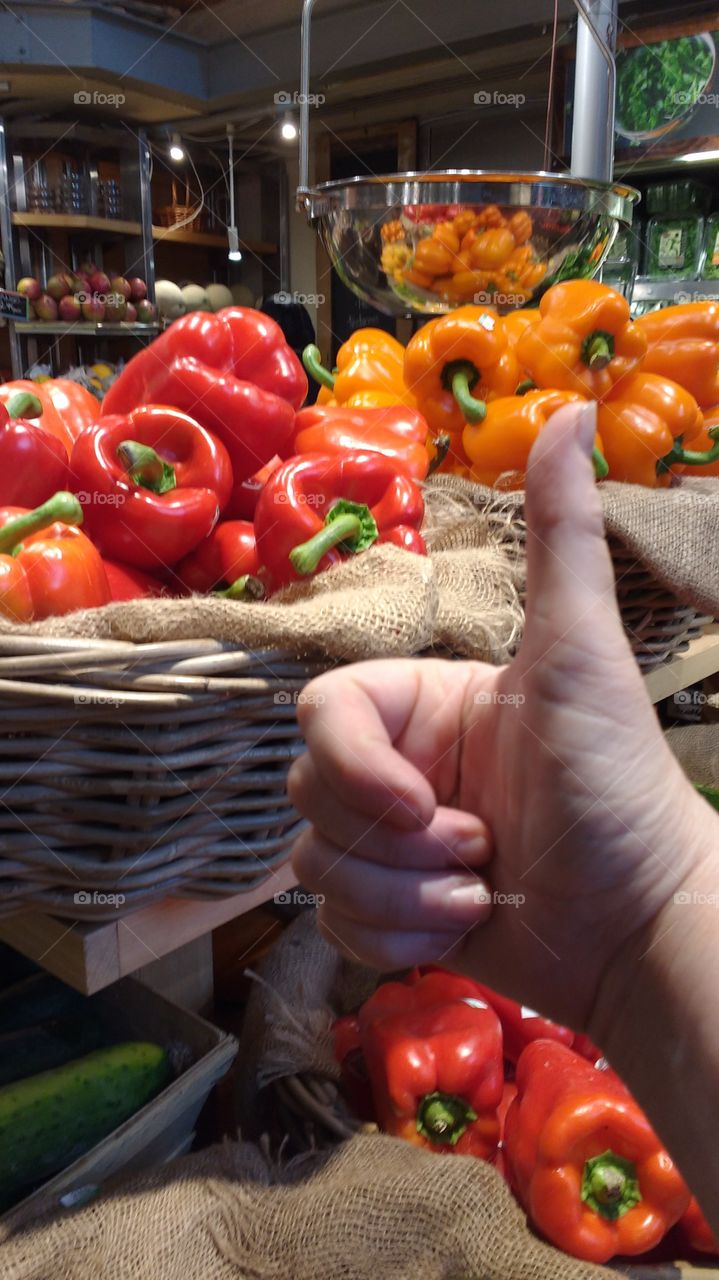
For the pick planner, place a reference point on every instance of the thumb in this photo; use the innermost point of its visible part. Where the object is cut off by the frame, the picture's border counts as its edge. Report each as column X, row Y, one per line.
column 571, row 595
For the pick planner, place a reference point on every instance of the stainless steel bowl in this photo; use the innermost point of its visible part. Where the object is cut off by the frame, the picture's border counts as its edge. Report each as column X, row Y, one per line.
column 371, row 228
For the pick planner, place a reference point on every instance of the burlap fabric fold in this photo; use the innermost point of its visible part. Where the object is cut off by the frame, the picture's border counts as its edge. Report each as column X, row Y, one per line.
column 465, row 597
column 696, row 747
column 374, row 1207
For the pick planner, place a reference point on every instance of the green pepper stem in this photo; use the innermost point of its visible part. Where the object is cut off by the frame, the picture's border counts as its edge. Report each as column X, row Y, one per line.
column 598, row 349
column 691, row 457
column 444, row 1117
column 461, row 381
column 245, row 588
column 23, row 404
column 145, row 467
column 441, row 447
column 312, row 360
column 61, row 508
column 306, row 557
column 526, row 385
column 601, row 466
column 610, row 1185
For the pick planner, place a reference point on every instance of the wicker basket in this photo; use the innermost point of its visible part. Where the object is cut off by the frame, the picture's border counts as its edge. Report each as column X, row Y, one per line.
column 169, row 215
column 142, row 770
column 657, row 623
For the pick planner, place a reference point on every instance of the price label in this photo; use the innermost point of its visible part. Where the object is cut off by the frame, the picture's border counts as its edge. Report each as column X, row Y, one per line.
column 13, row 305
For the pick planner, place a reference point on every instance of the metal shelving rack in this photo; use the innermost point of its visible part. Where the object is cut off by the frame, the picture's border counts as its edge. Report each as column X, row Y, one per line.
column 23, row 235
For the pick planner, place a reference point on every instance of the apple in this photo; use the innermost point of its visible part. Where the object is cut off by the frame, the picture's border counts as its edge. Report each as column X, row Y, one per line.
column 100, row 283
column 86, row 268
column 70, row 309
column 93, row 310
column 145, row 312
column 130, row 313
column 59, row 286
column 115, row 307
column 119, row 284
column 30, row 288
column 138, row 289
column 46, row 307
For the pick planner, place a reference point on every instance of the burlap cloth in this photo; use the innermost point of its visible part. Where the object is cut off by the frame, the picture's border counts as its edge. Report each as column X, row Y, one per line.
column 373, row 1209
column 696, row 747
column 465, row 597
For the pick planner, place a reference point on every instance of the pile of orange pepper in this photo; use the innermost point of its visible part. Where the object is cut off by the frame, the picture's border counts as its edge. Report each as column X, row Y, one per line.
column 484, row 253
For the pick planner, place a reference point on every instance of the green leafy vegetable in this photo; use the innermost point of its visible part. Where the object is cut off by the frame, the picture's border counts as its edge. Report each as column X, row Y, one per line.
column 656, row 83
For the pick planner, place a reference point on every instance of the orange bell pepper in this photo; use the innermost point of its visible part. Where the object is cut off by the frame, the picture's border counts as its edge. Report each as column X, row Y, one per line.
column 684, row 345
column 643, row 426
column 521, row 226
column 585, row 340
column 371, row 360
column 692, row 362
column 67, row 407
column 47, row 566
column 584, row 1160
column 500, row 446
column 491, row 248
column 453, row 356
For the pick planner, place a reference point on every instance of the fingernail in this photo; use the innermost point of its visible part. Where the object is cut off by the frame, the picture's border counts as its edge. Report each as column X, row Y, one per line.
column 472, row 848
column 471, row 895
column 586, row 428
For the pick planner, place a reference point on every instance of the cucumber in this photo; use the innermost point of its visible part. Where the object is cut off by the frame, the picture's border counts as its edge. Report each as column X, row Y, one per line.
column 38, row 1000
column 51, row 1119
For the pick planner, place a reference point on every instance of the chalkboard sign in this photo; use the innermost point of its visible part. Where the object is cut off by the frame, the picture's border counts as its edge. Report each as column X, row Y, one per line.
column 13, row 305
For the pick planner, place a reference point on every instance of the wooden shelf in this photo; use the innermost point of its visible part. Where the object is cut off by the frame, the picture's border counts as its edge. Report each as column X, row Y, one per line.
column 91, row 956
column 210, row 240
column 700, row 660
column 77, row 222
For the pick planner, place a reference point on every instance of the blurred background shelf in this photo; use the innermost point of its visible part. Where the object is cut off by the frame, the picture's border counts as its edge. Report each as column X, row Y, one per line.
column 210, row 240
column 76, row 222
column 645, row 290
column 83, row 329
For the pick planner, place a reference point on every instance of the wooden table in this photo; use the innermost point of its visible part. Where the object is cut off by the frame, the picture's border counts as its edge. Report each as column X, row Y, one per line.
column 91, row 956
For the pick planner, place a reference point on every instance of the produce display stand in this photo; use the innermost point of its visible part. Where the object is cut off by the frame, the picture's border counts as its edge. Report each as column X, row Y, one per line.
column 90, row 957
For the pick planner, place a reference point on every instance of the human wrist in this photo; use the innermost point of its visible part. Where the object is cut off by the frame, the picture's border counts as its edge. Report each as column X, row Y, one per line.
column 639, row 982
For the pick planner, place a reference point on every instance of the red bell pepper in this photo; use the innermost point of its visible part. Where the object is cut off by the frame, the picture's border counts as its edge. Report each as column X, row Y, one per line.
column 520, row 1025
column 696, row 1230
column 509, row 1093
column 47, row 566
column 354, row 1077
column 251, row 423
column 233, row 371
column 132, row 584
column 393, row 430
column 316, row 510
column 33, row 462
column 152, row 484
column 229, row 553
column 434, row 1057
column 245, row 495
column 235, row 340
column 584, row 1160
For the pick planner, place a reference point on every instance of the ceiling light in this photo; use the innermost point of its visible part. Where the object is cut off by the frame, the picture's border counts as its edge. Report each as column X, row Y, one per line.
column 233, row 240
column 176, row 149
column 289, row 129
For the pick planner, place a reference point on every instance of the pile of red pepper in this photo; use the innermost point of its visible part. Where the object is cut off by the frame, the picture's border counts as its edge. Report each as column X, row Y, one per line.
column 448, row 1064
column 198, row 475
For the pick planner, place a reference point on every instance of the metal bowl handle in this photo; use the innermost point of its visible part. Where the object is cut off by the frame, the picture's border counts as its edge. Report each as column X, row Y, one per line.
column 304, row 174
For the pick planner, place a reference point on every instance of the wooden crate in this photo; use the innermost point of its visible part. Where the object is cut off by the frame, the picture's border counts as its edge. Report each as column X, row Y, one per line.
column 165, row 1126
